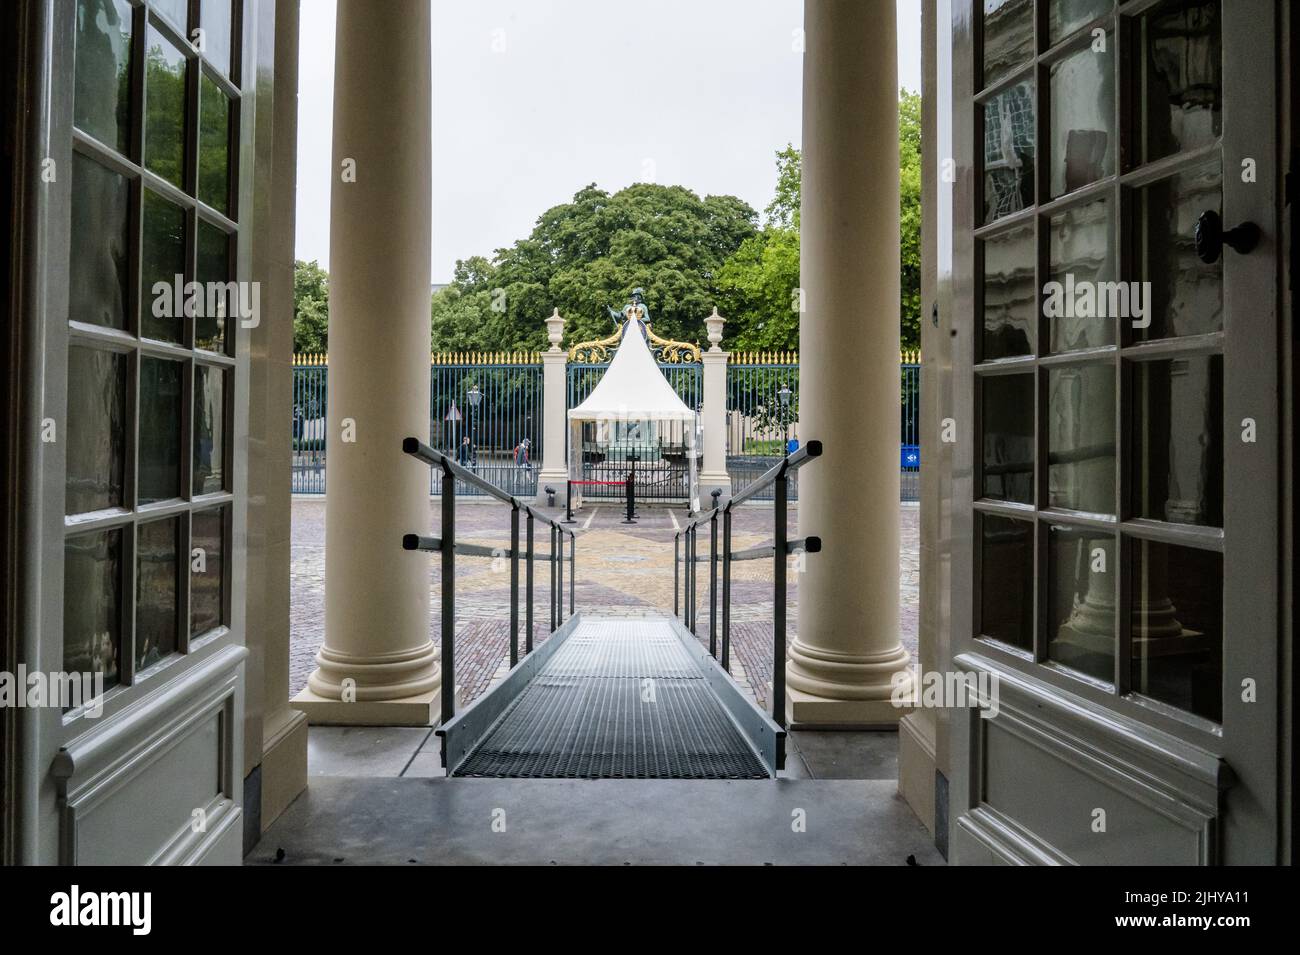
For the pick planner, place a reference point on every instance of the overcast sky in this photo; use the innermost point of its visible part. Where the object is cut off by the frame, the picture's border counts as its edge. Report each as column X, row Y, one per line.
column 534, row 99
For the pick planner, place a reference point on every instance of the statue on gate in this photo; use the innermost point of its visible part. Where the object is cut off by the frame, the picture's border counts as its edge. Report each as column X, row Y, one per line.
column 633, row 309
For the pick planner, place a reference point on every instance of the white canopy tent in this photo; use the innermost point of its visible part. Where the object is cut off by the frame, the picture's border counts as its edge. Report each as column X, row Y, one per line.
column 632, row 392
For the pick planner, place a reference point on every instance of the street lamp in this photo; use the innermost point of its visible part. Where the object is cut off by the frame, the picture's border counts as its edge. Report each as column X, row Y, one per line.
column 475, row 399
column 784, row 396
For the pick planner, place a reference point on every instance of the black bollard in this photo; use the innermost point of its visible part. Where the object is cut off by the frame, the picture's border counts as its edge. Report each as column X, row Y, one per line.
column 630, row 484
column 568, row 503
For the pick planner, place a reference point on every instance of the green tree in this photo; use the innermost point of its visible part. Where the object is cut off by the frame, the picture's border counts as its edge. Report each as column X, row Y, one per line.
column 311, row 309
column 590, row 253
column 909, row 202
column 783, row 210
column 758, row 286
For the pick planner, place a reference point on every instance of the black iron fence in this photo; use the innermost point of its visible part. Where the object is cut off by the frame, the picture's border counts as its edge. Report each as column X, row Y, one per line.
column 763, row 419
column 485, row 412
column 309, row 393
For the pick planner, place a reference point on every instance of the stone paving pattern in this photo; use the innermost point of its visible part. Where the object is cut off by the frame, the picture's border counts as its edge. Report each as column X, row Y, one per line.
column 620, row 569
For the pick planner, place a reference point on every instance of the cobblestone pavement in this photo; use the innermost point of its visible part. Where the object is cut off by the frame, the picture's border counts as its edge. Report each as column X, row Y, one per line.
column 620, row 569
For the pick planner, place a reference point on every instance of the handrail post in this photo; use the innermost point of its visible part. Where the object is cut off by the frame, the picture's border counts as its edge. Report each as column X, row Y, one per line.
column 713, row 584
column 778, row 601
column 695, row 551
column 726, row 589
column 528, row 588
column 514, row 584
column 686, row 578
column 559, row 571
column 677, row 573
column 573, row 567
column 448, row 600
column 551, row 561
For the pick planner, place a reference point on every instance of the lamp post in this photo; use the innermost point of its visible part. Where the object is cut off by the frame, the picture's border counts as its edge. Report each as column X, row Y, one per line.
column 475, row 399
column 784, row 396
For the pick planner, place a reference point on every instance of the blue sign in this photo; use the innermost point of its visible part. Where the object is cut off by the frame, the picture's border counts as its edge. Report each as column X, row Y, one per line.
column 911, row 456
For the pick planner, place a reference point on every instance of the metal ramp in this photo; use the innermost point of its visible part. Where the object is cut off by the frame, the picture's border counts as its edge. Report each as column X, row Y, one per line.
column 615, row 698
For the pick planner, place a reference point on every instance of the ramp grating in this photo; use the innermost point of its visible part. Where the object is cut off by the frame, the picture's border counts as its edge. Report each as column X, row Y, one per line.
column 620, row 699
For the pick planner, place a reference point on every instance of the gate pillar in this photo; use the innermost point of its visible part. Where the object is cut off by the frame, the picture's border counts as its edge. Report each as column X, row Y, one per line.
column 713, row 473
column 555, row 470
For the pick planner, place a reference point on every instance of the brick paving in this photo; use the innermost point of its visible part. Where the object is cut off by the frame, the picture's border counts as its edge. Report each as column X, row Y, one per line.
column 620, row 569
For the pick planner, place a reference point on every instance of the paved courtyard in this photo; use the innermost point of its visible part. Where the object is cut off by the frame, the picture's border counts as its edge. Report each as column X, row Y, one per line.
column 620, row 568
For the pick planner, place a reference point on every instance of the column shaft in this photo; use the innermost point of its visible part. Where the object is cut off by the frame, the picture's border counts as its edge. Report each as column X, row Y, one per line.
column 377, row 646
column 848, row 650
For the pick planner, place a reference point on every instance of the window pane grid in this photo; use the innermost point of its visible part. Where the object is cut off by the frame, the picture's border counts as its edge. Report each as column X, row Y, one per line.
column 132, row 527
column 1098, row 173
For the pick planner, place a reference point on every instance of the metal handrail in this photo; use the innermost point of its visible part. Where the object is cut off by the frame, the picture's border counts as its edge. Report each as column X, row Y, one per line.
column 685, row 551
column 451, row 473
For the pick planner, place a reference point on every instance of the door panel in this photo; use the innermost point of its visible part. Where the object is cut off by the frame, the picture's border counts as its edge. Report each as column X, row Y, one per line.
column 1120, row 491
column 141, row 500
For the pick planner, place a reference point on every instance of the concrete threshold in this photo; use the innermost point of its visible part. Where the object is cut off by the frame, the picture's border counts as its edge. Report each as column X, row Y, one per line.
column 441, row 821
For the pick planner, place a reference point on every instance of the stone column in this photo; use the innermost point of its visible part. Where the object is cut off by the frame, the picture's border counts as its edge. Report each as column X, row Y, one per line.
column 714, row 472
column 555, row 408
column 841, row 666
column 378, row 664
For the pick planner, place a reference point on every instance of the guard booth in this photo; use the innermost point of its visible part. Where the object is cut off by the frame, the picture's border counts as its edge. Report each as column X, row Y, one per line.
column 634, row 423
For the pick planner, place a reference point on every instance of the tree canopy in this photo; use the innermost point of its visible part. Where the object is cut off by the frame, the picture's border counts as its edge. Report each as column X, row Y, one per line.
column 310, row 307
column 590, row 253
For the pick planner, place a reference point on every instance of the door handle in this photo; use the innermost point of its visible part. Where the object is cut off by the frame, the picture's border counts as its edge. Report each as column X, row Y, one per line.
column 1210, row 237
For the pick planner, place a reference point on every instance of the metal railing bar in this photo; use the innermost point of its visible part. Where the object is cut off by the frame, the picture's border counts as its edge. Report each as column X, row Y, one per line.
column 677, row 573
column 528, row 586
column 810, row 545
column 550, row 560
column 726, row 591
column 795, row 461
column 446, row 545
column 434, row 544
column 448, row 598
column 418, row 449
column 514, row 585
column 713, row 585
column 779, row 568
column 420, row 542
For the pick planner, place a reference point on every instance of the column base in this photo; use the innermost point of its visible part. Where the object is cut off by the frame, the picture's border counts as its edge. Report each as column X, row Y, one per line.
column 556, row 479
column 916, row 764
column 832, row 688
column 420, row 710
column 803, row 711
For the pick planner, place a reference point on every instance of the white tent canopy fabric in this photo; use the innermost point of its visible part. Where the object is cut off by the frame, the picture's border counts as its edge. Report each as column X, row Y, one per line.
column 633, row 388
